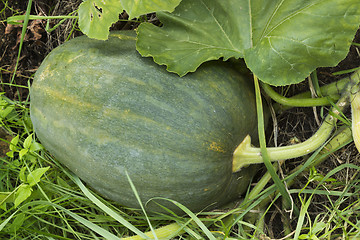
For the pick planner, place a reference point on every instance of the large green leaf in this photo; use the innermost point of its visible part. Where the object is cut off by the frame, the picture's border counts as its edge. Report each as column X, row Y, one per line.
column 96, row 16
column 281, row 41
column 197, row 31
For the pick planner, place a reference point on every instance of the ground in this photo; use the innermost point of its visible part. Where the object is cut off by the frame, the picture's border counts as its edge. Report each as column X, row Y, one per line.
column 293, row 125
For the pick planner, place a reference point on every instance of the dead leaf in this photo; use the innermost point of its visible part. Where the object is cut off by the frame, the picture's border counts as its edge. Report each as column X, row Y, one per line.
column 36, row 28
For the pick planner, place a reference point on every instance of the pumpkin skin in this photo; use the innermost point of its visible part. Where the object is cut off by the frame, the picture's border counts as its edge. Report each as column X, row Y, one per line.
column 103, row 110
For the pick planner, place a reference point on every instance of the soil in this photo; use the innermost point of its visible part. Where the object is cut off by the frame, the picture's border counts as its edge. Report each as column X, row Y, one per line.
column 37, row 42
column 296, row 124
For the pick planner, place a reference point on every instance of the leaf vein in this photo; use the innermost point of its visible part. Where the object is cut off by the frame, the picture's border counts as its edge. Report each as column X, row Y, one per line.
column 302, row 43
column 287, row 18
column 280, row 55
column 219, row 25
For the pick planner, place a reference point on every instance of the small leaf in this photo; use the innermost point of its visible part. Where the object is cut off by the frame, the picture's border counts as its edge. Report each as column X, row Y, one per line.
column 13, row 143
column 16, row 163
column 5, row 107
column 4, row 112
column 6, row 197
column 31, row 158
column 304, row 236
column 23, row 152
column 22, row 174
column 27, row 120
column 96, row 16
column 34, row 177
column 318, row 227
column 35, row 146
column 61, row 182
column 10, row 154
column 23, row 193
column 27, row 142
column 17, row 223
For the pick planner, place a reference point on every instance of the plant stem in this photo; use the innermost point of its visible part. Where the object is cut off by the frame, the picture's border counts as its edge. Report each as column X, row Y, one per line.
column 167, row 231
column 295, row 102
column 341, row 139
column 330, row 92
column 245, row 154
column 19, row 18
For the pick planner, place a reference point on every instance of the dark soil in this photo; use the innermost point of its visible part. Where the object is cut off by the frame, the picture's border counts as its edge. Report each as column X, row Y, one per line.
column 296, row 124
column 37, row 42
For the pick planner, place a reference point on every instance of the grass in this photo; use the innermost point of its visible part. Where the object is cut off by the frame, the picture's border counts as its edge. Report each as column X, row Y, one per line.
column 61, row 207
column 40, row 199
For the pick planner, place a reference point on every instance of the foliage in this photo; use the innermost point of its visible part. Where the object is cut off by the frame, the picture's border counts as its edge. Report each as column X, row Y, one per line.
column 282, row 42
column 96, row 16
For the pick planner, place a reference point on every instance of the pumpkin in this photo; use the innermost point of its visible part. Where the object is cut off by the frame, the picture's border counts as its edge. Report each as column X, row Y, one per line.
column 105, row 112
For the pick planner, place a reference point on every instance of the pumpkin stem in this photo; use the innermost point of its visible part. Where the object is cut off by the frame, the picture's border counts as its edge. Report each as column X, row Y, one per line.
column 245, row 154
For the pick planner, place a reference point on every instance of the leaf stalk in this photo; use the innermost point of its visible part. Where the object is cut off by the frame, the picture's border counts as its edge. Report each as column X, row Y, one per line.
column 245, row 154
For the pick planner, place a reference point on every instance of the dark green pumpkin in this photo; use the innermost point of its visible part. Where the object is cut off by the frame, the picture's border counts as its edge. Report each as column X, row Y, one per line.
column 101, row 110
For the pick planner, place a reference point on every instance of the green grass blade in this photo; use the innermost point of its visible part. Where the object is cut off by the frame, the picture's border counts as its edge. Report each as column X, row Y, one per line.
column 315, row 82
column 141, row 205
column 193, row 217
column 90, row 225
column 3, row 224
column 106, row 209
column 85, row 222
column 301, row 218
column 262, row 141
column 23, row 32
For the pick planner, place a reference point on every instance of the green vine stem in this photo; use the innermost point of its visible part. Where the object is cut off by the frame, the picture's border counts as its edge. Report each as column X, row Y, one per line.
column 330, row 93
column 341, row 139
column 245, row 154
column 164, row 232
column 295, row 102
column 332, row 90
column 19, row 18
